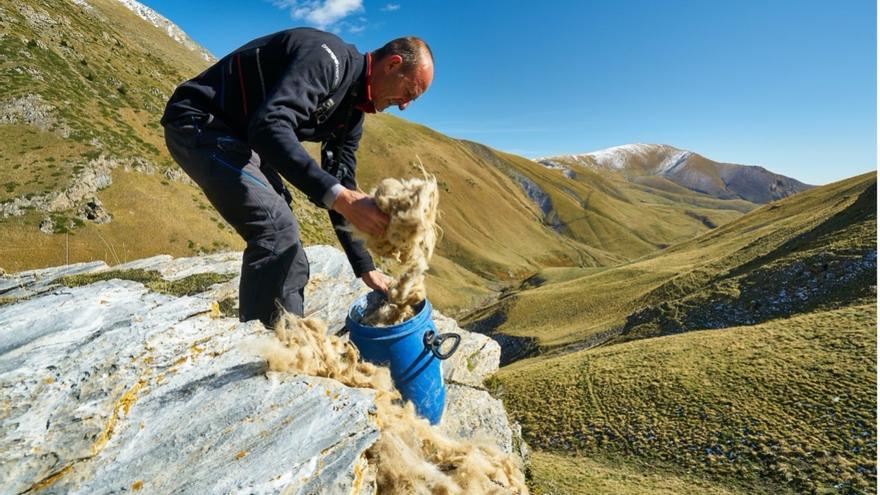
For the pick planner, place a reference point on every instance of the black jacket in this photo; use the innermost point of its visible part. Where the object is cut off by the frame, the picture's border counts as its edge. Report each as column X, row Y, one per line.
column 276, row 91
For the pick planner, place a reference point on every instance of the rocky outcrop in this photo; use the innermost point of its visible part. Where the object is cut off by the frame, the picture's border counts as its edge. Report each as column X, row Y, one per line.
column 93, row 210
column 32, row 110
column 94, row 176
column 110, row 387
column 552, row 165
column 531, row 189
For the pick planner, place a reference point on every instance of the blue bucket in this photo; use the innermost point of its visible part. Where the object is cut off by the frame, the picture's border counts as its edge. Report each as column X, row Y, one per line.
column 411, row 350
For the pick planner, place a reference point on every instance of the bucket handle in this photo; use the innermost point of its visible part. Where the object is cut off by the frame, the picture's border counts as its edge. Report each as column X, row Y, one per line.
column 434, row 341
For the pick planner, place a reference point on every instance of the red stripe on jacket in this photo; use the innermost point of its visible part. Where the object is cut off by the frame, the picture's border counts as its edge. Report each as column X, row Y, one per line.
column 241, row 83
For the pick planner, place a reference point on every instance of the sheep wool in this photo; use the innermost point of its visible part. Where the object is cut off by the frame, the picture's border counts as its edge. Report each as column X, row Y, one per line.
column 410, row 456
column 408, row 242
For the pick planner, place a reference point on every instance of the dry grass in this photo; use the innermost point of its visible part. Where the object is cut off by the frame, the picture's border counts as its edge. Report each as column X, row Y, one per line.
column 561, row 473
column 790, row 402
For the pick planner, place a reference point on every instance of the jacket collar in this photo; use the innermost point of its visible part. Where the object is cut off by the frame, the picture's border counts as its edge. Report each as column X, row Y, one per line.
column 364, row 101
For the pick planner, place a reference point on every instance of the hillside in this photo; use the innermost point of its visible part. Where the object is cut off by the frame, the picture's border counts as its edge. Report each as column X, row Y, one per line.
column 657, row 164
column 814, row 249
column 787, row 406
column 639, row 377
column 84, row 84
column 86, row 175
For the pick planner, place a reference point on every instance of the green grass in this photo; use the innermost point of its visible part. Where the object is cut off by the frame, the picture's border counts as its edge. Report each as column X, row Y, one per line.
column 789, row 402
column 187, row 286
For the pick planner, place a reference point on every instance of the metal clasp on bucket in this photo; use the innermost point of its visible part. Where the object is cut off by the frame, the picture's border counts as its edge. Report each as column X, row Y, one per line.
column 434, row 342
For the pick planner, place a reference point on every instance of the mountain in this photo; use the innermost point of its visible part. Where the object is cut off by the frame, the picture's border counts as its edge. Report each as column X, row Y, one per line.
column 86, row 175
column 745, row 356
column 814, row 249
column 648, row 163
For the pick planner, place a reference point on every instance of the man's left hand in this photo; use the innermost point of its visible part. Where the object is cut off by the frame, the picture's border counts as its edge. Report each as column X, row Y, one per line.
column 376, row 280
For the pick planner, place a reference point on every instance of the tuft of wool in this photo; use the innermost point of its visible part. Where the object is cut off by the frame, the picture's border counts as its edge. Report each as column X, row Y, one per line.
column 408, row 242
column 410, row 456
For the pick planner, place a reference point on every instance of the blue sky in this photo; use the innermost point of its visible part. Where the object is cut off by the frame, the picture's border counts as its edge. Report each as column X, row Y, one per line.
column 789, row 85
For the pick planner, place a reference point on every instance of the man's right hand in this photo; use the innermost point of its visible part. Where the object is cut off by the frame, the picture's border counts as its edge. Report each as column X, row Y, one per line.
column 361, row 211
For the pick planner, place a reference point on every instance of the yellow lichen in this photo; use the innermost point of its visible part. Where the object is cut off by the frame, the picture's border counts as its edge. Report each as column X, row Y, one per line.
column 123, row 404
column 51, row 479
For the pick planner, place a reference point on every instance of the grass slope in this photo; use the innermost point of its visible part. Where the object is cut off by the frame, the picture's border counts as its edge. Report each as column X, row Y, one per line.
column 97, row 79
column 788, row 256
column 788, row 404
column 557, row 474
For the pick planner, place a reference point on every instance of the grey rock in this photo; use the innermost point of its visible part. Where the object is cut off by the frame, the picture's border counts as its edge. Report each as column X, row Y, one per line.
column 177, row 268
column 140, row 165
column 47, row 226
column 93, row 210
column 95, row 175
column 177, row 175
column 31, row 109
column 473, row 414
column 111, row 387
column 477, row 356
column 332, row 286
column 531, row 189
column 553, row 165
column 34, row 282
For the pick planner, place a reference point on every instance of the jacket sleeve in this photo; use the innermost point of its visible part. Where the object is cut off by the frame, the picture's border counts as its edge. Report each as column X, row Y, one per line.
column 358, row 256
column 271, row 130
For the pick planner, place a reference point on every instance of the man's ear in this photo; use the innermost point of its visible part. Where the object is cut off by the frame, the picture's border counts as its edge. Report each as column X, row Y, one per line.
column 392, row 62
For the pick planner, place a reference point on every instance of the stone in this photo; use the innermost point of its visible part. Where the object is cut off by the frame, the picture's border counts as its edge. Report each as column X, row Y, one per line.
column 473, row 414
column 110, row 387
column 177, row 175
column 93, row 210
column 33, row 282
column 477, row 356
column 332, row 286
column 47, row 225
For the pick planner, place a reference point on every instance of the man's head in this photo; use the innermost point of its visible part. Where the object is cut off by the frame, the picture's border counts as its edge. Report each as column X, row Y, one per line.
column 401, row 71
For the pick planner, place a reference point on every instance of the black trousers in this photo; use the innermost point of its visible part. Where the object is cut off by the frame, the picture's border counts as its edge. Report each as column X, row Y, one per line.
column 251, row 197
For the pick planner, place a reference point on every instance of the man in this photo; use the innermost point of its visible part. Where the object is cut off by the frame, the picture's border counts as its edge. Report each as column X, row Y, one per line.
column 239, row 125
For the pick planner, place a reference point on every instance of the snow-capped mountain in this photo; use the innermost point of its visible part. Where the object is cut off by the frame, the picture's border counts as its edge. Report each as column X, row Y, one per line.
column 685, row 168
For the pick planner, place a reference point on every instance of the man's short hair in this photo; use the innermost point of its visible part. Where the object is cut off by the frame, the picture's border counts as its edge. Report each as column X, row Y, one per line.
column 411, row 49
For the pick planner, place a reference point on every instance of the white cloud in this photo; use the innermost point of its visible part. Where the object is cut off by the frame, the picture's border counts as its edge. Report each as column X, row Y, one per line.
column 320, row 13
column 391, row 7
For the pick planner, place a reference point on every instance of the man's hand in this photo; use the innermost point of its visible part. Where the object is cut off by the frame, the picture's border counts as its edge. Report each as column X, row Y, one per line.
column 361, row 211
column 376, row 280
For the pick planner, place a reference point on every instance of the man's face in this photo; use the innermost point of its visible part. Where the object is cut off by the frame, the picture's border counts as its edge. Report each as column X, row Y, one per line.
column 391, row 85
